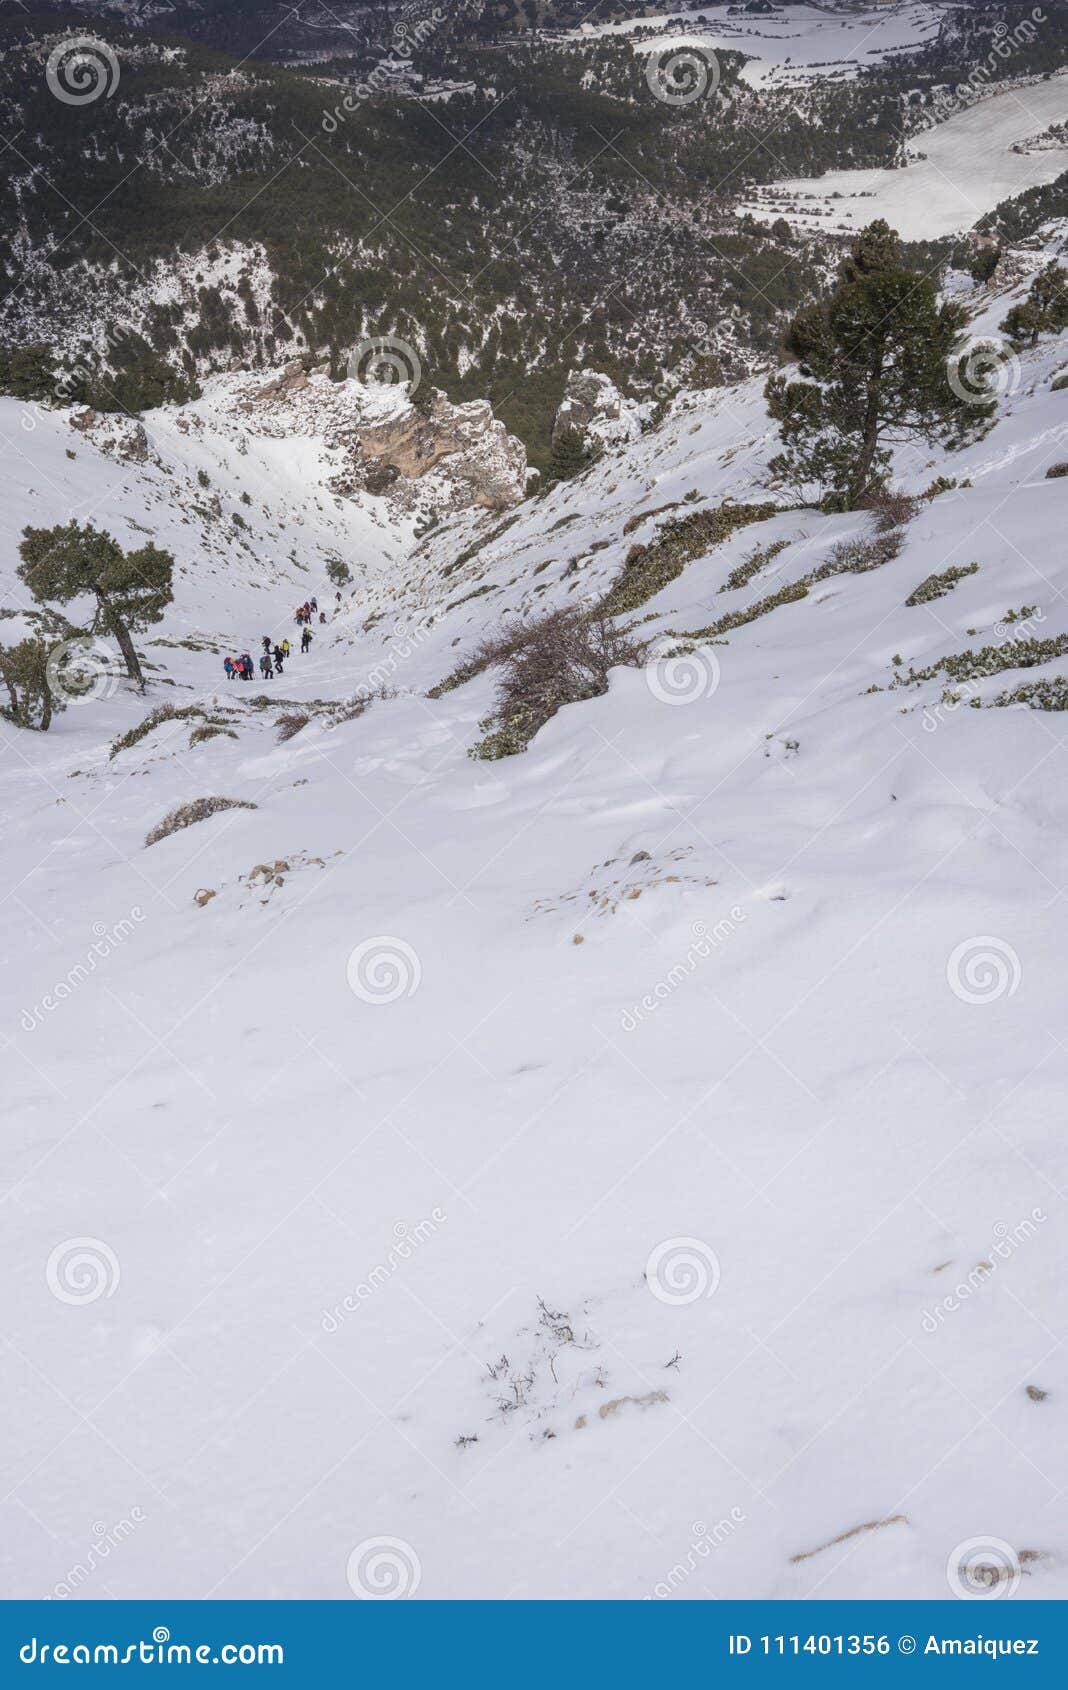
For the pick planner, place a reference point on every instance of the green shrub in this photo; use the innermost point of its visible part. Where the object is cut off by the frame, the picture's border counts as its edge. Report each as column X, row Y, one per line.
column 648, row 569
column 937, row 586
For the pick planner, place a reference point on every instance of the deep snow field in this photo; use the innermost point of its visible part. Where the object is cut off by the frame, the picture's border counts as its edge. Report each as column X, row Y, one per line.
column 719, row 1254
column 795, row 44
column 956, row 171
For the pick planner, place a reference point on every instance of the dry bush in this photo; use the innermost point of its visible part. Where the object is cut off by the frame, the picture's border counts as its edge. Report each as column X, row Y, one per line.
column 197, row 810
column 561, row 658
column 893, row 508
column 209, row 730
column 290, row 725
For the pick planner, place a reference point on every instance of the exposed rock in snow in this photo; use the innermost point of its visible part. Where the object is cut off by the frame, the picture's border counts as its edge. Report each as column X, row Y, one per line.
column 477, row 453
column 433, row 455
column 593, row 404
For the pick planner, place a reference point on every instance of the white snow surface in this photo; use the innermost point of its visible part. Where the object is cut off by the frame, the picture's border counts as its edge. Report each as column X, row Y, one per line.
column 956, row 171
column 793, row 45
column 318, row 1222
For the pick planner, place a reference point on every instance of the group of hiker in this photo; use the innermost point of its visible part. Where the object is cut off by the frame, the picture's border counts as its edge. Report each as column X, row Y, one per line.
column 304, row 612
column 272, row 658
column 274, row 654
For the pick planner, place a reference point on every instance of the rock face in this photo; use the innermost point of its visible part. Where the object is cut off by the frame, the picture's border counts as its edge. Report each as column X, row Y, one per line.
column 427, row 455
column 593, row 405
column 475, row 450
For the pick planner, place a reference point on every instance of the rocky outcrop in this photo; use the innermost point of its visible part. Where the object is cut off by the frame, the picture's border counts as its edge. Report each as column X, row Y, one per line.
column 475, row 450
column 120, row 437
column 422, row 453
column 594, row 408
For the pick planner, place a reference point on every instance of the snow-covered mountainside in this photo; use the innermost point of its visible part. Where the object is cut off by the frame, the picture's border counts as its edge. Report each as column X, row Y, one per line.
column 632, row 1168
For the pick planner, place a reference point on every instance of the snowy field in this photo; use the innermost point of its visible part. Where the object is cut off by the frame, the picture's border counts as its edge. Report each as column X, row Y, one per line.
column 634, row 1168
column 797, row 44
column 958, row 170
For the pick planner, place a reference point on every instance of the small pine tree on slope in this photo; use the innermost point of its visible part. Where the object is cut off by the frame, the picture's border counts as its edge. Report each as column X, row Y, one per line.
column 876, row 361
column 131, row 589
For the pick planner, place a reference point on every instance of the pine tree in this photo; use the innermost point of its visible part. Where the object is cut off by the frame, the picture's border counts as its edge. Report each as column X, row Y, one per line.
column 876, row 361
column 569, row 454
column 131, row 589
column 1044, row 311
column 24, row 672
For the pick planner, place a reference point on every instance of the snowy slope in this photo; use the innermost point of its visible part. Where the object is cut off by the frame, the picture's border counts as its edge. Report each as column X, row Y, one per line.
column 714, row 1255
column 795, row 44
column 956, row 171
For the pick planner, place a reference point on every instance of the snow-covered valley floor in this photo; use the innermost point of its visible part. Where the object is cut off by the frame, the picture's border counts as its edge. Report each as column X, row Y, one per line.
column 633, row 1168
column 957, row 171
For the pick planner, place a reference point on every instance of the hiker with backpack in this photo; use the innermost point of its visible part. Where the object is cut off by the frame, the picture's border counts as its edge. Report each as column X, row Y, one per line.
column 305, row 639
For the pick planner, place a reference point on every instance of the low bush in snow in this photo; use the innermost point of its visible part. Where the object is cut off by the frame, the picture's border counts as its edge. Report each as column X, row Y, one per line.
column 209, row 730
column 197, row 810
column 561, row 658
column 648, row 569
column 937, row 586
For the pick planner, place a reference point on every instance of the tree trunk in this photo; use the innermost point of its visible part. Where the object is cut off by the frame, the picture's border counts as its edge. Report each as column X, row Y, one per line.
column 46, row 704
column 14, row 697
column 869, row 446
column 117, row 626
